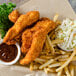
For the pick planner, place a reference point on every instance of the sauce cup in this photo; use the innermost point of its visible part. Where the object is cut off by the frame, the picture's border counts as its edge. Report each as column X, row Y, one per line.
column 17, row 57
column 64, row 48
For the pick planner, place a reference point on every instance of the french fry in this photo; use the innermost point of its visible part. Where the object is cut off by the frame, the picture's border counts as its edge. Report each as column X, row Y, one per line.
column 57, row 53
column 62, row 52
column 53, row 36
column 47, row 46
column 54, row 65
column 35, row 67
column 61, row 56
column 71, row 67
column 53, row 32
column 58, row 22
column 31, row 66
column 60, row 73
column 55, row 17
column 43, row 53
column 67, row 71
column 54, row 45
column 45, row 70
column 68, row 61
column 46, row 64
column 46, row 57
column 39, row 60
column 74, row 59
column 53, row 70
column 64, row 59
column 56, row 41
column 50, row 44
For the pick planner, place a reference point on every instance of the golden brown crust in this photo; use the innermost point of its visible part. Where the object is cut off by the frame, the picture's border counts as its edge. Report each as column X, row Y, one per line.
column 22, row 22
column 27, row 35
column 38, row 39
column 26, row 41
column 36, row 47
column 17, row 39
column 13, row 16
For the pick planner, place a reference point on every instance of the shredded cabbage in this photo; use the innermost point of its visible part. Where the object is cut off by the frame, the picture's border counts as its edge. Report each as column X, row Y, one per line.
column 67, row 32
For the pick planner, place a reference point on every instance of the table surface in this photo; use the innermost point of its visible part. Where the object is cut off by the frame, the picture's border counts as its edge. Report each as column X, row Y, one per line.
column 73, row 4
column 18, row 2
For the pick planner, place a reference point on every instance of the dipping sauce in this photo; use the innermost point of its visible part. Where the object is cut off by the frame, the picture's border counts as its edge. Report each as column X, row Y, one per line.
column 8, row 52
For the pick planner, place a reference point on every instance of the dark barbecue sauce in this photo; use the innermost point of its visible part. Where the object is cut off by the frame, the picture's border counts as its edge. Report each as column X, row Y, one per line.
column 8, row 52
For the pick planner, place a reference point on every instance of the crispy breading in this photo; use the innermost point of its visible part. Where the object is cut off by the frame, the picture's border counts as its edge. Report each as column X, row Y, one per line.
column 26, row 40
column 16, row 39
column 36, row 47
column 13, row 16
column 38, row 40
column 22, row 22
column 28, row 34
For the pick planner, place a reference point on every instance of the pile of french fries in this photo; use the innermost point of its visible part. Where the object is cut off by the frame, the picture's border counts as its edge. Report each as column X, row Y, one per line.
column 54, row 60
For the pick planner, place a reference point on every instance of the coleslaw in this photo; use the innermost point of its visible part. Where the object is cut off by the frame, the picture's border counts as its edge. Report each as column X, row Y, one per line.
column 67, row 32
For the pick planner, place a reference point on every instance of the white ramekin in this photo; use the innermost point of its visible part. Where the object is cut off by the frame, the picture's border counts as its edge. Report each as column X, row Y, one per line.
column 17, row 57
column 64, row 48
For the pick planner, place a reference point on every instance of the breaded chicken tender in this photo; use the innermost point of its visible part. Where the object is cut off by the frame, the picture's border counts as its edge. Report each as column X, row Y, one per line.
column 38, row 40
column 26, row 40
column 17, row 39
column 22, row 22
column 27, row 35
column 13, row 16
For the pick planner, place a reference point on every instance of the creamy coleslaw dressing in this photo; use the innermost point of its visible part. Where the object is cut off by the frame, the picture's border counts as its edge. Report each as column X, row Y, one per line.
column 67, row 32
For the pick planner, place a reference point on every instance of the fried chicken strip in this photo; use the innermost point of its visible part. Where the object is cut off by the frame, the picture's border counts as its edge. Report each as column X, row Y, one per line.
column 26, row 40
column 27, row 36
column 38, row 41
column 22, row 22
column 17, row 39
column 13, row 16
